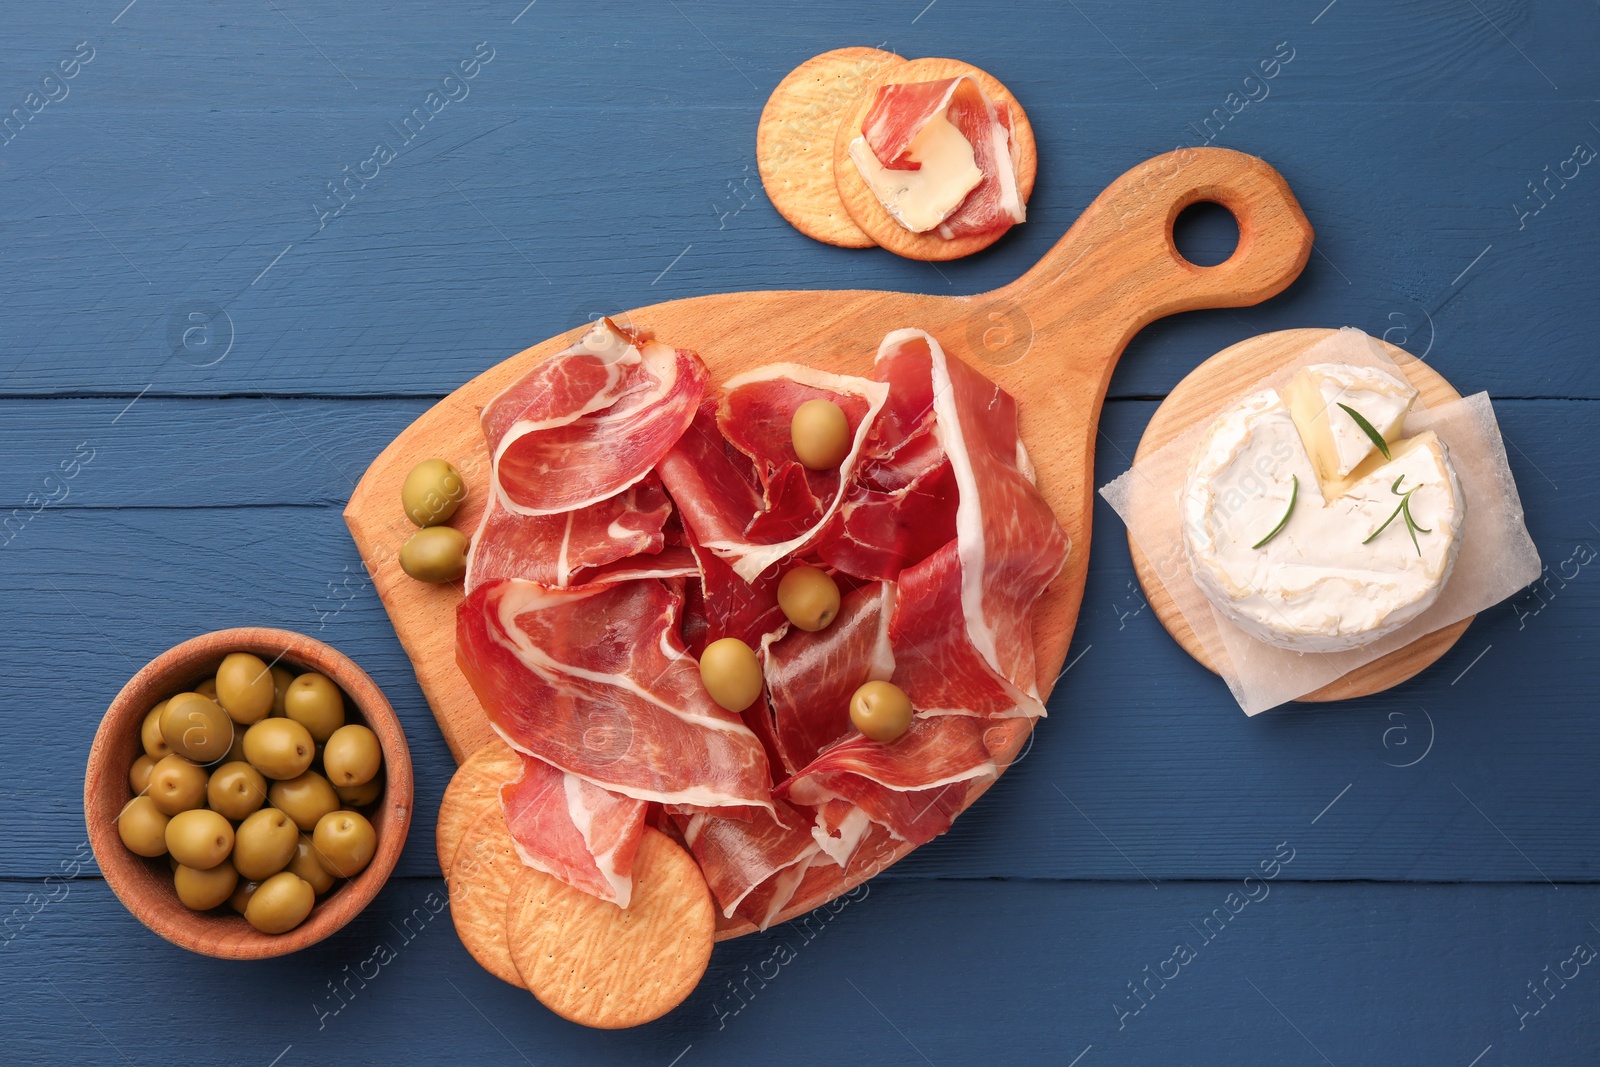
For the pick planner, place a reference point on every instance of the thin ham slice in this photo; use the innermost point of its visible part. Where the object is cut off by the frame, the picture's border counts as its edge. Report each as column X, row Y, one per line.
column 574, row 830
column 839, row 830
column 1008, row 548
column 754, row 412
column 912, row 786
column 713, row 486
column 567, row 548
column 877, row 533
column 587, row 423
column 595, row 681
column 900, row 111
column 812, row 676
column 744, row 860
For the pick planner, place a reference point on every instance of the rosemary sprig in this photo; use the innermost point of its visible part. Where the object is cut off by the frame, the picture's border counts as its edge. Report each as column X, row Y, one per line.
column 1368, row 429
column 1294, row 493
column 1404, row 509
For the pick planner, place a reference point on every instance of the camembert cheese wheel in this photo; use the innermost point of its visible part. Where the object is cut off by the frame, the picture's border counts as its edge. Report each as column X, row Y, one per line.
column 1312, row 538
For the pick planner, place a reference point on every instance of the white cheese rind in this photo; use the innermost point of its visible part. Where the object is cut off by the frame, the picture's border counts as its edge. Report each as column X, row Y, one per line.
column 1315, row 587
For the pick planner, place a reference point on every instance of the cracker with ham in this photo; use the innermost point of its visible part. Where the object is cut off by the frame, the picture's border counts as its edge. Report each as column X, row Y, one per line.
column 898, row 116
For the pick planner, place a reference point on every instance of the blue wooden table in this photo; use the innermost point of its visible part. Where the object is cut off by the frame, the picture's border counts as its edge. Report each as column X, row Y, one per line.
column 203, row 344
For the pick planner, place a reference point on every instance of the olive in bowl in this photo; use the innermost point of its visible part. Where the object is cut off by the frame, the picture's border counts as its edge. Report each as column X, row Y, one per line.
column 145, row 878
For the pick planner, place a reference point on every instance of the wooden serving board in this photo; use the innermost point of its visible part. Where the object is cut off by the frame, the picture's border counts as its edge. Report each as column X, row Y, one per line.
column 1051, row 338
column 1229, row 376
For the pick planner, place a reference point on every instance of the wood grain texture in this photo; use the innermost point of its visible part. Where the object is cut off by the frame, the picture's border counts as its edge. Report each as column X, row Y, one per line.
column 863, row 204
column 145, row 885
column 1114, row 271
column 794, row 141
column 1208, row 389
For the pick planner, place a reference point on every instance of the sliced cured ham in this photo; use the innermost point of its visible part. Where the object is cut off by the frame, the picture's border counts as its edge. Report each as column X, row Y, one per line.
column 732, row 606
column 812, row 676
column 901, row 112
column 566, row 549
column 912, row 786
column 744, row 860
column 595, row 682
column 839, row 830
column 634, row 519
column 587, row 423
column 1008, row 546
column 753, row 413
column 574, row 830
column 876, row 533
column 713, row 486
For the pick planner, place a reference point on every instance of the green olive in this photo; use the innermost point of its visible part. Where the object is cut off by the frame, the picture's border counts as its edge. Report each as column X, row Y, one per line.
column 820, row 434
column 432, row 492
column 196, row 726
column 279, row 748
column 207, row 688
column 281, row 677
column 155, row 746
column 139, row 774
column 199, row 838
column 239, row 899
column 143, row 827
column 359, row 796
column 236, row 790
column 352, row 755
column 306, row 866
column 345, row 843
column 177, row 784
column 315, row 702
column 304, row 799
column 264, row 844
column 204, row 890
column 244, row 688
column 435, row 554
column 236, row 750
column 881, row 710
column 731, row 673
column 280, row 903
column 808, row 597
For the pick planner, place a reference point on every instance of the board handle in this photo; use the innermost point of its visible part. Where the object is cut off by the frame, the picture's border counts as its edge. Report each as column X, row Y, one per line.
column 1117, row 269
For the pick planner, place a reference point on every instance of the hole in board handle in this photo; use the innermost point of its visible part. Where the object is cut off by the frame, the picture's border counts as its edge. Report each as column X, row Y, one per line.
column 1205, row 233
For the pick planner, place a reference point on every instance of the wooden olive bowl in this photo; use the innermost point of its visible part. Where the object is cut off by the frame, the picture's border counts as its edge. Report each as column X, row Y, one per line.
column 145, row 885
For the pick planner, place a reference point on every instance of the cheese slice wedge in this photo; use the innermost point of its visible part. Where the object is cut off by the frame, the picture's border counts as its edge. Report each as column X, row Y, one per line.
column 1343, row 569
column 1322, row 396
column 921, row 199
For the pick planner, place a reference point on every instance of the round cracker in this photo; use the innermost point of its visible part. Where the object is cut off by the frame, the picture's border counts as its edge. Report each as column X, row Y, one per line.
column 485, row 867
column 475, row 785
column 794, row 141
column 594, row 963
column 863, row 204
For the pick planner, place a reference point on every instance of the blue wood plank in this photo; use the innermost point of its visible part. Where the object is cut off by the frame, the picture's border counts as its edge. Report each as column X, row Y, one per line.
column 434, row 269
column 909, row 973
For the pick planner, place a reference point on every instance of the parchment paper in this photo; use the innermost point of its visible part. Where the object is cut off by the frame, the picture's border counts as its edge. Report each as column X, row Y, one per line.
column 1496, row 560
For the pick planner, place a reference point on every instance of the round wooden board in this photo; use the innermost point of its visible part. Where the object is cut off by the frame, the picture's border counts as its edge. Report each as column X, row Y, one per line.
column 863, row 204
column 1228, row 376
column 794, row 141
